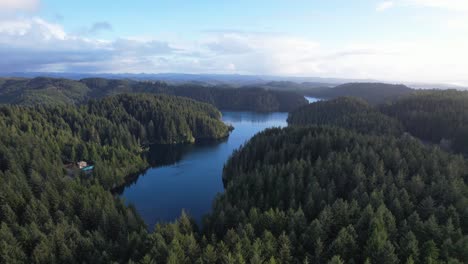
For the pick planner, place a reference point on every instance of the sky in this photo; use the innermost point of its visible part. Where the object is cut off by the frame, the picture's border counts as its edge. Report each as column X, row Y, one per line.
column 397, row 41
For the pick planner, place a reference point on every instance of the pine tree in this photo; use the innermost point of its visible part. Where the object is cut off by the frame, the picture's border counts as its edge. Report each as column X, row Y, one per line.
column 336, row 260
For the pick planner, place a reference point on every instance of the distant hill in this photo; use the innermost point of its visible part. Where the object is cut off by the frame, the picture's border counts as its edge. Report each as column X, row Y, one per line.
column 235, row 80
column 44, row 90
column 372, row 92
column 303, row 88
column 346, row 112
column 435, row 116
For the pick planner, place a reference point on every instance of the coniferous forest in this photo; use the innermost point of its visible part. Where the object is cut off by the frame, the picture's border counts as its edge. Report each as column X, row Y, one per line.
column 42, row 90
column 346, row 182
column 49, row 217
column 348, row 112
column 234, row 132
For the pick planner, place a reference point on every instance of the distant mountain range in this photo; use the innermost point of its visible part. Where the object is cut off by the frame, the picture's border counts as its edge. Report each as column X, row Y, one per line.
column 235, row 80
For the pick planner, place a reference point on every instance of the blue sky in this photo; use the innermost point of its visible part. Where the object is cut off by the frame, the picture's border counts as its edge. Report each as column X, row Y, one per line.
column 401, row 40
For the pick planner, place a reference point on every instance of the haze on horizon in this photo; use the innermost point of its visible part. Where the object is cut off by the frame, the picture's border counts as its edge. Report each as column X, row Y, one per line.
column 400, row 40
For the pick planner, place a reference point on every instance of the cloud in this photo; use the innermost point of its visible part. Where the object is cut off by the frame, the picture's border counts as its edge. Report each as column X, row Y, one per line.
column 229, row 43
column 34, row 44
column 453, row 5
column 18, row 5
column 257, row 53
column 450, row 5
column 385, row 5
column 419, row 59
column 99, row 27
column 458, row 23
column 37, row 45
column 139, row 47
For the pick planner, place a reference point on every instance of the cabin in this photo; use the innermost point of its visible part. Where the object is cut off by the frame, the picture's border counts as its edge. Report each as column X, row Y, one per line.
column 74, row 169
column 82, row 164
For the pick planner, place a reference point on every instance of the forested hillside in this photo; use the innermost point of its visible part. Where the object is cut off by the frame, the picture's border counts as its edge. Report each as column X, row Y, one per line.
column 373, row 93
column 347, row 112
column 316, row 194
column 42, row 91
column 62, row 91
column 49, row 217
column 241, row 99
column 225, row 98
column 325, row 193
column 439, row 117
column 434, row 116
column 342, row 184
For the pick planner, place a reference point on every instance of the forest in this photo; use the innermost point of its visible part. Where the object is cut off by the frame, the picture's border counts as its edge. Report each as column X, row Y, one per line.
column 346, row 112
column 321, row 194
column 348, row 181
column 374, row 93
column 345, row 183
column 43, row 90
column 439, row 117
column 49, row 217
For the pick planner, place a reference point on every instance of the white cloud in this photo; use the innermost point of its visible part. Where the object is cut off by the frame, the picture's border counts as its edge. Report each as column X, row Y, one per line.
column 33, row 44
column 385, row 5
column 450, row 5
column 260, row 53
column 453, row 5
column 18, row 5
column 415, row 60
column 17, row 30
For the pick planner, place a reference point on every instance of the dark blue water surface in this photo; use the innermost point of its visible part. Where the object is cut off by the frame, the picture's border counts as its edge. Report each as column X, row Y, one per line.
column 188, row 177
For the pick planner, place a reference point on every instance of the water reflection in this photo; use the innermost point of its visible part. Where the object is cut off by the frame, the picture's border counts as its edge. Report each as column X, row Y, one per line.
column 189, row 176
column 163, row 155
column 249, row 117
column 312, row 99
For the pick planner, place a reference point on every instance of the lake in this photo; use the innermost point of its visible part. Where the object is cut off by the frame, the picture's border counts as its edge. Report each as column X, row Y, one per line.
column 188, row 177
column 312, row 99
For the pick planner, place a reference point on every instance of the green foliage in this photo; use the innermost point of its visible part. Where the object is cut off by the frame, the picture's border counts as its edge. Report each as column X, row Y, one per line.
column 50, row 216
column 342, row 185
column 338, row 193
column 243, row 99
column 42, row 91
column 62, row 91
column 347, row 112
column 327, row 195
column 440, row 117
column 374, row 93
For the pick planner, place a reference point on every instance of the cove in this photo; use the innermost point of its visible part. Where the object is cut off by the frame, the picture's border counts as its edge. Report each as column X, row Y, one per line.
column 312, row 99
column 188, row 177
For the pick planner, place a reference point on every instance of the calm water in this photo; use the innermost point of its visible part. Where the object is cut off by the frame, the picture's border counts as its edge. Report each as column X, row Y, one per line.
column 312, row 99
column 189, row 176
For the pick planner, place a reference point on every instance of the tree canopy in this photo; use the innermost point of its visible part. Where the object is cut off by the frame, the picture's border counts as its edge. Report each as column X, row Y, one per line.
column 342, row 184
column 347, row 112
column 49, row 217
column 374, row 93
column 43, row 90
column 440, row 117
column 321, row 194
